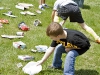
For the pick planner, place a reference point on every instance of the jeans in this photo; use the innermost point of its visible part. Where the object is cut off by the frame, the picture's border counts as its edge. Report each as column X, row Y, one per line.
column 69, row 60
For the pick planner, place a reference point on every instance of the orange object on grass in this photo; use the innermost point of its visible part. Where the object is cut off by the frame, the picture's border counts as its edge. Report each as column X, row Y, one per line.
column 4, row 21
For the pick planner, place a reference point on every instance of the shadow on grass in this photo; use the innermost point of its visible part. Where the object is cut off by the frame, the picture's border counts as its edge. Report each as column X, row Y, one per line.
column 86, row 7
column 86, row 72
column 77, row 72
column 51, row 72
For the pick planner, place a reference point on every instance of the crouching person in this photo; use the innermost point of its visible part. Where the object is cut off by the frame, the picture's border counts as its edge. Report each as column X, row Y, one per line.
column 71, row 42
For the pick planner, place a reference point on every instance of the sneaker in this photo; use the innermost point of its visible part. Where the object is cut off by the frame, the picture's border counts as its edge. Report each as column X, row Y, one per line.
column 41, row 7
column 45, row 5
column 52, row 67
column 98, row 41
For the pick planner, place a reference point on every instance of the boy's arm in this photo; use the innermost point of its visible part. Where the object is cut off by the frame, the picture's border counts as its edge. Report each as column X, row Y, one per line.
column 46, row 55
column 52, row 15
column 62, row 22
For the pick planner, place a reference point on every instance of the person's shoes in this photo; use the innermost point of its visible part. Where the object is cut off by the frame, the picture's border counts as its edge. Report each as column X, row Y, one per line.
column 45, row 5
column 41, row 7
column 98, row 41
column 52, row 67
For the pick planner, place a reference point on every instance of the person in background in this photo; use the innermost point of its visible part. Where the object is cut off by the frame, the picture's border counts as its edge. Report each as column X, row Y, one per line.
column 68, row 8
column 42, row 4
column 71, row 42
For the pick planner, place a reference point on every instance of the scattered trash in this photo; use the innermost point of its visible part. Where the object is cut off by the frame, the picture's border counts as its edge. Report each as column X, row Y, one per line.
column 20, row 33
column 25, row 57
column 23, row 6
column 37, row 22
column 41, row 48
column 28, row 12
column 31, row 68
column 23, row 26
column 19, row 44
column 11, row 36
column 38, row 11
column 19, row 65
column 9, row 13
column 20, row 7
column 4, row 21
column 32, row 50
column 1, row 8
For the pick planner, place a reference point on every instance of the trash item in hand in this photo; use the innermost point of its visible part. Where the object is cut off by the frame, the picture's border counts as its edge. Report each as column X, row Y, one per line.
column 25, row 57
column 31, row 68
column 19, row 44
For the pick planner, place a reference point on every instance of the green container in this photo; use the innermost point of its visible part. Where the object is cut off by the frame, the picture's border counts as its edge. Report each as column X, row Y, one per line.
column 79, row 2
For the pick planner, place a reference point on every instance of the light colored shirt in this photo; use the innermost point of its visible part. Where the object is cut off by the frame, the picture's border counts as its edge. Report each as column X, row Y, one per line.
column 59, row 3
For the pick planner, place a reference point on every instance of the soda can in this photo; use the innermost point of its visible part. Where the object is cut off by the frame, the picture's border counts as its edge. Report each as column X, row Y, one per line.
column 20, row 33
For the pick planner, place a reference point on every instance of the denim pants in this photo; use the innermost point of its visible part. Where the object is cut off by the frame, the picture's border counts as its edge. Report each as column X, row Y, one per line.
column 69, row 60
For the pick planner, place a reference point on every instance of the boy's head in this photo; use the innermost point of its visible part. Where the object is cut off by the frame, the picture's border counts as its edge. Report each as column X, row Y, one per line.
column 54, row 30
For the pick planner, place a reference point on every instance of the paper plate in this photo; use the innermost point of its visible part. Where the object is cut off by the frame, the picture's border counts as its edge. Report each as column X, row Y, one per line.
column 31, row 68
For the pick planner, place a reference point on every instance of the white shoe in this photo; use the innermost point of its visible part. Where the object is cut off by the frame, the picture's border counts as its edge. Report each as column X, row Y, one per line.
column 45, row 5
column 41, row 7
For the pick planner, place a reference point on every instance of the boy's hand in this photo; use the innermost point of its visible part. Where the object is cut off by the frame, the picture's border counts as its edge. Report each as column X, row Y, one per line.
column 39, row 62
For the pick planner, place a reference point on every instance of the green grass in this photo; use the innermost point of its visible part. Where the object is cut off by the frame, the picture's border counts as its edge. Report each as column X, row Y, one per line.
column 86, row 64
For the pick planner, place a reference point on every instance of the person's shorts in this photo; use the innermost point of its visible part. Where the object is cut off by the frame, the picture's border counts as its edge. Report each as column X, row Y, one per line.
column 72, row 11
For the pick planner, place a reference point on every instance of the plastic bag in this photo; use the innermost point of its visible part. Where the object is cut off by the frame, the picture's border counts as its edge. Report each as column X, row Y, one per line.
column 31, row 68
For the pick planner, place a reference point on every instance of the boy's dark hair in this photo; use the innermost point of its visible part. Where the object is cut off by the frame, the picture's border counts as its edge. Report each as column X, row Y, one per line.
column 54, row 29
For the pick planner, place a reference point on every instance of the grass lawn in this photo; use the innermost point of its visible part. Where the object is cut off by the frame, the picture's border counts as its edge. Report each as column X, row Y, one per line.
column 86, row 64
